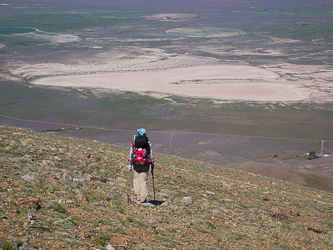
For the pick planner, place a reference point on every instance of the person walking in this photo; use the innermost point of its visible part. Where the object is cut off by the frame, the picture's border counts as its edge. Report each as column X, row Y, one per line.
column 140, row 157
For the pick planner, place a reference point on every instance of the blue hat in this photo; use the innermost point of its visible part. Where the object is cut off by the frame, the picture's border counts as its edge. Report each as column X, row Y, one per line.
column 141, row 131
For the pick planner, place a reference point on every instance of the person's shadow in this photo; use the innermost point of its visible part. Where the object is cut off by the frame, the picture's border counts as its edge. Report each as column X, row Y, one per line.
column 156, row 202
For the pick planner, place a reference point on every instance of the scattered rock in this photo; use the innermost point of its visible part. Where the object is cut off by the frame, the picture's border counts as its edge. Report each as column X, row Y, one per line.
column 294, row 213
column 187, row 200
column 317, row 230
column 31, row 219
column 97, row 179
column 147, row 204
column 278, row 213
column 100, row 203
column 109, row 247
column 81, row 197
column 29, row 178
column 46, row 163
column 25, row 247
column 94, row 158
column 41, row 227
column 30, row 200
column 70, row 202
column 66, row 177
column 57, row 158
column 62, row 201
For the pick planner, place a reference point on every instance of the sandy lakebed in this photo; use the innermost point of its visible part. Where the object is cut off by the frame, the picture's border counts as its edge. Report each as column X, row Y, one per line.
column 227, row 82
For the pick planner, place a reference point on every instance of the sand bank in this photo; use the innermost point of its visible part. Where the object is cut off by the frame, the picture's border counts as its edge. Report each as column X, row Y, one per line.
column 227, row 82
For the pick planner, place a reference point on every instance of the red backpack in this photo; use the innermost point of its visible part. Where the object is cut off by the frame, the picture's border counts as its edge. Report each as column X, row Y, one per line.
column 140, row 150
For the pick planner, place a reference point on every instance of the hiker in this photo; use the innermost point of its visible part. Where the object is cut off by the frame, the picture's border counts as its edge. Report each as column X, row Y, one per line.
column 140, row 157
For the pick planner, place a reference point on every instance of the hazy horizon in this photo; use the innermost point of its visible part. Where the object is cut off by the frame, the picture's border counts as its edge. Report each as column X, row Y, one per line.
column 172, row 5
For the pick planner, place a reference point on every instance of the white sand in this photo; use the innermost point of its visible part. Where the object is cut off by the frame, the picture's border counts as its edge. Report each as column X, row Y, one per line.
column 227, row 82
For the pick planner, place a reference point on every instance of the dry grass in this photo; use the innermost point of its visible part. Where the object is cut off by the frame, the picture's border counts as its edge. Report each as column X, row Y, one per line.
column 231, row 209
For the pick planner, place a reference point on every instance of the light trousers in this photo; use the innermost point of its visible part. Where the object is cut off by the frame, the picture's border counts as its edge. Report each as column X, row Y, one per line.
column 140, row 181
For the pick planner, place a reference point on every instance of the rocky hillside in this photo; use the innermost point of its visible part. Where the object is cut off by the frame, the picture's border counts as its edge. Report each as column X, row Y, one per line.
column 58, row 192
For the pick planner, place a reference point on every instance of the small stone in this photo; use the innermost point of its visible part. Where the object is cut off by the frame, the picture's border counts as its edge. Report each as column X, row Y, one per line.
column 81, row 197
column 100, row 203
column 187, row 200
column 46, row 163
column 294, row 213
column 210, row 192
column 109, row 247
column 278, row 213
column 97, row 179
column 62, row 201
column 147, row 204
column 70, row 202
column 28, row 178
column 31, row 200
column 25, row 247
column 66, row 177
column 317, row 230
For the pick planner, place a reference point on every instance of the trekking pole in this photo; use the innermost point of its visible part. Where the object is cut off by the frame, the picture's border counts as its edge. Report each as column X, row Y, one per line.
column 152, row 174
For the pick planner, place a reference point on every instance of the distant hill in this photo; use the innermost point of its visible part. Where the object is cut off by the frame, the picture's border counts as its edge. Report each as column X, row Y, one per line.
column 300, row 177
column 58, row 192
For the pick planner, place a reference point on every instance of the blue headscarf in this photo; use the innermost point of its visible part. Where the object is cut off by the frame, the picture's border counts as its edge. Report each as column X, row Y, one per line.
column 141, row 131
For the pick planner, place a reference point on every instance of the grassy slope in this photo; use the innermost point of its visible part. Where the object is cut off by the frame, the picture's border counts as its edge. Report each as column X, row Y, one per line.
column 233, row 214
column 301, row 177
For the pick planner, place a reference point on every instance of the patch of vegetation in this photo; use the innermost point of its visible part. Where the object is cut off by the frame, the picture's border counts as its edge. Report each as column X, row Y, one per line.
column 5, row 245
column 312, row 155
column 64, row 21
column 14, row 30
column 131, row 102
column 59, row 208
column 98, row 242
